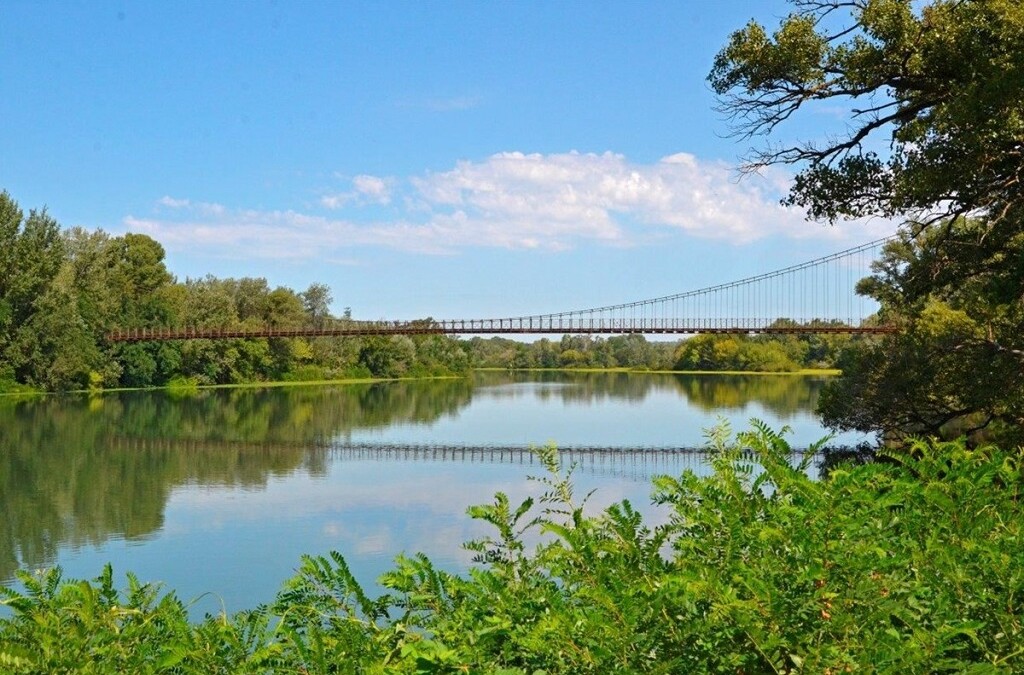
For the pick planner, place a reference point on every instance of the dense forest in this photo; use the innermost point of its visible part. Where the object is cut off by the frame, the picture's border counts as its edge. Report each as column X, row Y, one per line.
column 63, row 290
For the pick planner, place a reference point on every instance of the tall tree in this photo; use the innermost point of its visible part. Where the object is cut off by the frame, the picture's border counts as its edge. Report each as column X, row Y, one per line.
column 934, row 135
column 31, row 256
column 316, row 300
column 956, row 366
column 136, row 275
column 942, row 81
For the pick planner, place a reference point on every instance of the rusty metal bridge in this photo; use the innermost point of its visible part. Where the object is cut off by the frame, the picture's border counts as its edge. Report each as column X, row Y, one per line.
column 814, row 297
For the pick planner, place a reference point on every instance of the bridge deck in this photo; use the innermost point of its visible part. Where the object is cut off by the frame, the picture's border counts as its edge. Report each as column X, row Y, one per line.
column 491, row 327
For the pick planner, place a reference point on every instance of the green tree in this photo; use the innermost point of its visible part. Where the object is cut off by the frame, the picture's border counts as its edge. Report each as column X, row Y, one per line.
column 942, row 80
column 387, row 356
column 135, row 264
column 954, row 368
column 40, row 329
column 250, row 297
column 64, row 352
column 934, row 136
column 632, row 351
column 547, row 354
column 285, row 308
column 316, row 301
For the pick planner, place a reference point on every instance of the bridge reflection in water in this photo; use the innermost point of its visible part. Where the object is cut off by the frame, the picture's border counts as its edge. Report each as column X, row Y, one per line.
column 634, row 463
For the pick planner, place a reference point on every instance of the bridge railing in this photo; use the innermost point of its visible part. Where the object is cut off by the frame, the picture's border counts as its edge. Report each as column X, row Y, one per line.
column 522, row 326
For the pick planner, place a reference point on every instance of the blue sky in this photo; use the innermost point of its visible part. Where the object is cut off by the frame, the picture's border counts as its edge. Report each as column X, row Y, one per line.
column 445, row 159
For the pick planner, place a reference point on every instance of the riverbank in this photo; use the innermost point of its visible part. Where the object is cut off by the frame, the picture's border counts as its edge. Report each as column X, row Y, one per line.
column 24, row 391
column 638, row 371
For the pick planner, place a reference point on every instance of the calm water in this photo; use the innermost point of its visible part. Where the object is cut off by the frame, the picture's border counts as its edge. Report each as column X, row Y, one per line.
column 219, row 493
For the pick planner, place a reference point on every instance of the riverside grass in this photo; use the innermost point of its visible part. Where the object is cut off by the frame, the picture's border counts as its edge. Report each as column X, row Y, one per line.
column 912, row 563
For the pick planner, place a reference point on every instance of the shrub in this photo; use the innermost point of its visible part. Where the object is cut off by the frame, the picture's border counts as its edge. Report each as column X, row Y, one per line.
column 912, row 564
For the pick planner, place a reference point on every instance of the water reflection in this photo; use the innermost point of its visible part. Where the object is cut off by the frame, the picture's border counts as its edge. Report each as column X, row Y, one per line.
column 81, row 471
column 783, row 395
column 68, row 477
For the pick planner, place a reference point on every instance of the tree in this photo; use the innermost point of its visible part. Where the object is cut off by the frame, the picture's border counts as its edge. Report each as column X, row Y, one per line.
column 251, row 299
column 64, row 351
column 284, row 308
column 631, row 350
column 943, row 80
column 935, row 130
column 934, row 136
column 136, row 274
column 954, row 368
column 316, row 300
column 31, row 257
column 387, row 356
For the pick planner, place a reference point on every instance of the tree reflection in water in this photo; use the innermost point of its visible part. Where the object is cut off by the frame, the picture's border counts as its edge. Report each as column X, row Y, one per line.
column 79, row 470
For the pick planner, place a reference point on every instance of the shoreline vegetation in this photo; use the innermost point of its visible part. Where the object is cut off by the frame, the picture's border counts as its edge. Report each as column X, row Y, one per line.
column 905, row 561
column 911, row 562
column 185, row 386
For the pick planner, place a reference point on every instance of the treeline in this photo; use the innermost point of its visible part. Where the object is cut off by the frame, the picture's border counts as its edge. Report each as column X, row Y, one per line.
column 571, row 351
column 763, row 353
column 759, row 353
column 62, row 291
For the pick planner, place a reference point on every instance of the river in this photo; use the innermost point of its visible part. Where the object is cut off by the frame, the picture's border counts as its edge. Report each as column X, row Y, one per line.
column 217, row 493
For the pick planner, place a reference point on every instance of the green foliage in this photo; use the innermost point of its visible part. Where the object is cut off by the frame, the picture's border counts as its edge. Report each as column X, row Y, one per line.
column 942, row 81
column 731, row 352
column 940, row 84
column 35, row 334
column 61, row 292
column 955, row 366
column 763, row 353
column 909, row 564
column 80, row 627
column 775, row 353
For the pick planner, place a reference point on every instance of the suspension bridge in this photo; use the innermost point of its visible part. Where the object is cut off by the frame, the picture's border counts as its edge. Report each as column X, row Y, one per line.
column 813, row 297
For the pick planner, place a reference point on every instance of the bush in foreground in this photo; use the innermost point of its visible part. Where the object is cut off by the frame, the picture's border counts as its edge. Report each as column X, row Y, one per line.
column 914, row 564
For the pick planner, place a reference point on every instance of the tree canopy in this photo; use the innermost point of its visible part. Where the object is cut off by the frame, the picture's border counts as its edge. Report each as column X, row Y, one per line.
column 933, row 136
column 62, row 291
column 942, row 82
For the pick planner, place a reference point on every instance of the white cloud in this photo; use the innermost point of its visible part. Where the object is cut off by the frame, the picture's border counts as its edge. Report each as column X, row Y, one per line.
column 173, row 203
column 365, row 190
column 373, row 188
column 336, row 201
column 554, row 199
column 509, row 200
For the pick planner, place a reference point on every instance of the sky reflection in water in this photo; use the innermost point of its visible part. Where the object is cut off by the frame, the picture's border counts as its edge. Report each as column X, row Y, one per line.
column 221, row 492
